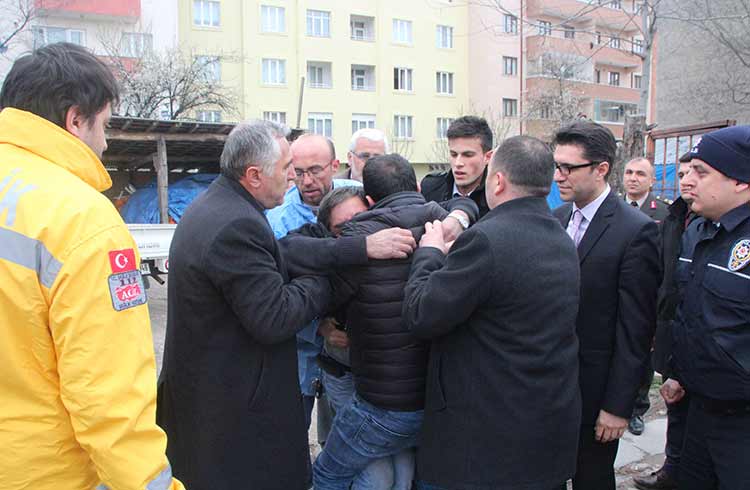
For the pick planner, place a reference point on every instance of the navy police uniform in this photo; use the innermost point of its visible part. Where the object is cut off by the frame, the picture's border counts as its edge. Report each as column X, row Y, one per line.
column 711, row 333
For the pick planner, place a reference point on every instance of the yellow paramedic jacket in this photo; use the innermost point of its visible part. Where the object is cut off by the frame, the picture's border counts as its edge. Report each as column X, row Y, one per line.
column 78, row 378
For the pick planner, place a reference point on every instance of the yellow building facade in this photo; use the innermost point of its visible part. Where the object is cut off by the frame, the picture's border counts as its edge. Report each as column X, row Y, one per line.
column 400, row 66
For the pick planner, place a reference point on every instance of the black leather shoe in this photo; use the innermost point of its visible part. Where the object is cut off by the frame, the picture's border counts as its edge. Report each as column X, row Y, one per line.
column 636, row 426
column 657, row 480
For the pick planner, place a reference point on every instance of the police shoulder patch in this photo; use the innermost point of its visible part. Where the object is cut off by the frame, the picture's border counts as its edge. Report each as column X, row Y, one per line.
column 127, row 290
column 739, row 257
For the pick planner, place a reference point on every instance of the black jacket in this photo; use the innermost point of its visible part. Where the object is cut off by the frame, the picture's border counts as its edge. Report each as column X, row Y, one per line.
column 620, row 274
column 503, row 407
column 229, row 397
column 438, row 187
column 389, row 364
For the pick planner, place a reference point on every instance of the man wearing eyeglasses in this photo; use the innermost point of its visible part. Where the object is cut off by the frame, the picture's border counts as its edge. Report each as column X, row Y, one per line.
column 366, row 143
column 620, row 274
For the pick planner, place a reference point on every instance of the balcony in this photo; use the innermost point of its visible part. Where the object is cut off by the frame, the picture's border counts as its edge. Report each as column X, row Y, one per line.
column 604, row 55
column 319, row 74
column 362, row 28
column 363, row 78
column 577, row 11
column 108, row 10
column 593, row 91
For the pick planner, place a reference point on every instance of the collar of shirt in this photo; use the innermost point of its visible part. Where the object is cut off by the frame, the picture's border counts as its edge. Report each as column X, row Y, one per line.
column 457, row 193
column 735, row 217
column 639, row 201
column 589, row 210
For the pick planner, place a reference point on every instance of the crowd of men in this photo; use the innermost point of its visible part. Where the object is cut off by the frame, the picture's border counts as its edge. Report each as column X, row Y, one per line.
column 466, row 336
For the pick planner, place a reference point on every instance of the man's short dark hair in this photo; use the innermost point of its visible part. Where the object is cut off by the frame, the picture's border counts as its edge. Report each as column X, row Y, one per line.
column 597, row 142
column 55, row 78
column 336, row 197
column 471, row 127
column 527, row 163
column 384, row 175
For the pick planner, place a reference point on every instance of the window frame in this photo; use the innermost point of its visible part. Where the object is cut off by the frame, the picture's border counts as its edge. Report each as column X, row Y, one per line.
column 408, row 78
column 406, row 122
column 323, row 18
column 274, row 19
column 446, row 34
column 513, row 72
column 279, row 67
column 513, row 104
column 397, row 28
column 213, row 7
column 326, row 118
column 444, row 83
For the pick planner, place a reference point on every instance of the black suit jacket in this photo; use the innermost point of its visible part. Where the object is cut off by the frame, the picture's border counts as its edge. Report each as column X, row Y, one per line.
column 620, row 276
column 229, row 396
column 502, row 403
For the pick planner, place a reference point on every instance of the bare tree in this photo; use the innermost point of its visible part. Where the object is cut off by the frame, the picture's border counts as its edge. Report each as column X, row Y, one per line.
column 17, row 16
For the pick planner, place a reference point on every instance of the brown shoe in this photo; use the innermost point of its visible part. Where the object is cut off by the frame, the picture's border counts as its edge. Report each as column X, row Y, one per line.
column 656, row 480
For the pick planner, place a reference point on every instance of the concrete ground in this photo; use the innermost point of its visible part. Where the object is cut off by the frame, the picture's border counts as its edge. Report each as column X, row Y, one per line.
column 636, row 455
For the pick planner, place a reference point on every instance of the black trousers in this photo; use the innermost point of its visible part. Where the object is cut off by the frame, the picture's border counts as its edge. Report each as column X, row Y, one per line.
column 642, row 402
column 716, row 454
column 677, row 414
column 595, row 469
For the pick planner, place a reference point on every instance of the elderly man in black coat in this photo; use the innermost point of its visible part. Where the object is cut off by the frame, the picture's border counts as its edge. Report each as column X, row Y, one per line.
column 503, row 405
column 228, row 393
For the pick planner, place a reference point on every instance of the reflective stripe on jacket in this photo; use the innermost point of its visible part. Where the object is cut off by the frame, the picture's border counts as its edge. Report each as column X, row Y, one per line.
column 78, row 377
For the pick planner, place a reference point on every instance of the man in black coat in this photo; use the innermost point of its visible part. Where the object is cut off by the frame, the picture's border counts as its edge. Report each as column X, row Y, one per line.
column 470, row 146
column 503, row 405
column 620, row 274
column 228, row 392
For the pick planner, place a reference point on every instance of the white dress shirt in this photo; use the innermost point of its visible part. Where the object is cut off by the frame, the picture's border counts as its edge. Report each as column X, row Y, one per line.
column 588, row 211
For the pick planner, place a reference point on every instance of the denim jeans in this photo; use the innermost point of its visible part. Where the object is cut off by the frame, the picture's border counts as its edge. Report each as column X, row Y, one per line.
column 361, row 434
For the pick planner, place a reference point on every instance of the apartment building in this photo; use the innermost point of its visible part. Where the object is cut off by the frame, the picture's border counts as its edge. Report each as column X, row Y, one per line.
column 394, row 65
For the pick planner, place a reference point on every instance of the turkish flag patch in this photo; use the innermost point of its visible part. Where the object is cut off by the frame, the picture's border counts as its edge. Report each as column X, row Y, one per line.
column 122, row 260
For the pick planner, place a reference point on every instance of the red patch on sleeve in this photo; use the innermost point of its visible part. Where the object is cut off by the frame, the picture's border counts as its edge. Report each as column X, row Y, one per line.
column 653, row 204
column 122, row 260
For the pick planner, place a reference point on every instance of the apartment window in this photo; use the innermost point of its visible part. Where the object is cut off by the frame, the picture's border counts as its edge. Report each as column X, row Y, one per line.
column 510, row 66
column 614, row 42
column 598, row 76
column 613, row 112
column 363, row 28
column 208, row 116
column 274, row 71
column 362, row 121
column 49, row 35
column 275, row 116
column 135, row 44
column 614, row 78
column 206, row 13
column 570, row 33
column 363, row 77
column 319, row 74
column 510, row 107
column 402, row 32
column 273, row 19
column 637, row 81
column 208, row 68
column 444, row 37
column 443, row 123
column 510, row 24
column 444, row 82
column 403, row 79
column 545, row 112
column 320, row 123
column 615, row 4
column 637, row 46
column 403, row 127
column 544, row 28
column 318, row 23
column 598, row 37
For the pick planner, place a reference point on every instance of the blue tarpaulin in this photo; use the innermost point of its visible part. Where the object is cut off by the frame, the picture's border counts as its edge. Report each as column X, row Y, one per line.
column 553, row 198
column 665, row 181
column 143, row 205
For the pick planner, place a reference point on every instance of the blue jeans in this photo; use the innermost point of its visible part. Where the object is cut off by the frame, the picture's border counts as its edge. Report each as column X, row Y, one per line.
column 363, row 433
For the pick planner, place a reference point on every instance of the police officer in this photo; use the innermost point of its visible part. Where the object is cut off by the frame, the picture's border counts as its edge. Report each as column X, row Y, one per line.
column 711, row 333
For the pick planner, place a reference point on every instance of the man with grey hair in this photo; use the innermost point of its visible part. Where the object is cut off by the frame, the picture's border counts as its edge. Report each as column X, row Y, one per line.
column 365, row 143
column 228, row 393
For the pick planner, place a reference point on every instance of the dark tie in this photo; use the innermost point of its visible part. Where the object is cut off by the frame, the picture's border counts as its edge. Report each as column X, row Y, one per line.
column 634, row 204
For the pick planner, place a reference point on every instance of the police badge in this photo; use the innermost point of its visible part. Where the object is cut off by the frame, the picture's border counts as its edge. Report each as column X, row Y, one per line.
column 739, row 257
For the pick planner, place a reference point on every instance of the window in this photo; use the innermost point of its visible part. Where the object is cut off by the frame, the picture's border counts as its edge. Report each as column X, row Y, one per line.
column 208, row 116
column 318, row 23
column 598, row 37
column 545, row 112
column 570, row 33
column 319, row 74
column 275, row 116
column 206, row 13
column 444, row 82
column 402, row 79
column 274, row 71
column 403, row 127
column 510, row 24
column 597, row 76
column 135, row 44
column 614, row 78
column 363, row 77
column 273, row 19
column 613, row 112
column 615, row 4
column 320, row 123
column 48, row 35
column 637, row 81
column 545, row 28
column 402, row 31
column 443, row 123
column 444, row 37
column 208, row 68
column 614, row 42
column 510, row 107
column 363, row 28
column 362, row 121
column 510, row 66
column 637, row 46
